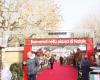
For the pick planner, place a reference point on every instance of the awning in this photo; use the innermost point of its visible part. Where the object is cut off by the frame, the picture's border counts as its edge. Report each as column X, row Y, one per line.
column 98, row 53
column 98, row 47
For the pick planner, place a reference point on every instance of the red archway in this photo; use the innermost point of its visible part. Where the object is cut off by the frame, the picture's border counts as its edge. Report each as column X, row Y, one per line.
column 57, row 41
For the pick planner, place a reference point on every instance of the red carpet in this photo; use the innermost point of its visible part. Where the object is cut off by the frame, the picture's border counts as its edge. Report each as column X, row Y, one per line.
column 58, row 73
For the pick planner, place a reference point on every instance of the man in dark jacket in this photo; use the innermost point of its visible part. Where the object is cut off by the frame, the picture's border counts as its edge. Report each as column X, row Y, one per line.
column 51, row 60
column 85, row 65
column 32, row 65
column 61, row 60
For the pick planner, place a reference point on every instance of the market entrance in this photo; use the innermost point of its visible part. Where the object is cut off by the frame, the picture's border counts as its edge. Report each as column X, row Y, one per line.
column 56, row 43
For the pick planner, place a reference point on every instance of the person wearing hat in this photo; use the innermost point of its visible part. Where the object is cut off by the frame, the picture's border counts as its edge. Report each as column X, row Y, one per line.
column 32, row 65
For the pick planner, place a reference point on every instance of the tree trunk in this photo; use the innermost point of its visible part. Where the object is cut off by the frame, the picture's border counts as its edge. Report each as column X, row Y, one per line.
column 0, row 61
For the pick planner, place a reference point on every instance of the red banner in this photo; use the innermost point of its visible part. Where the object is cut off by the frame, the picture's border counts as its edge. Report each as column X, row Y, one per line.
column 57, row 41
column 60, row 41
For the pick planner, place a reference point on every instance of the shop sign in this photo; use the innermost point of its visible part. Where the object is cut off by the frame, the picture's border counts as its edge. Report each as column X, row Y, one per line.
column 58, row 41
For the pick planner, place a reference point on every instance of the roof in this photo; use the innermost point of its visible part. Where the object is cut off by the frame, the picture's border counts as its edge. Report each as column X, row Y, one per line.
column 13, row 49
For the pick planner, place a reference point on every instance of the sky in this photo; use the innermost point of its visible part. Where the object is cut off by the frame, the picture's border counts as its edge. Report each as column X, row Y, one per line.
column 73, row 11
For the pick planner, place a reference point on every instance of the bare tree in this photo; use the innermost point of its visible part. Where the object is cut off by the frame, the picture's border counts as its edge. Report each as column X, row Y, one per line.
column 28, row 16
column 90, row 24
column 93, row 23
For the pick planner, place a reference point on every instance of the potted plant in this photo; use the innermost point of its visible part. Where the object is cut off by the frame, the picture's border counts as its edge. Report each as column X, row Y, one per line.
column 16, row 70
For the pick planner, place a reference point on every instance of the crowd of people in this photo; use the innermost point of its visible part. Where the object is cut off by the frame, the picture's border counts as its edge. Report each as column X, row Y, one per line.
column 79, row 60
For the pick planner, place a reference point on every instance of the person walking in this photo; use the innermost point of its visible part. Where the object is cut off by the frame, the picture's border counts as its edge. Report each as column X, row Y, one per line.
column 61, row 60
column 32, row 65
column 85, row 66
column 51, row 60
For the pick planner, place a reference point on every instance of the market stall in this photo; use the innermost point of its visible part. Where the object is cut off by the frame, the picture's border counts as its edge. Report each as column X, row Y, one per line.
column 44, row 42
column 95, row 73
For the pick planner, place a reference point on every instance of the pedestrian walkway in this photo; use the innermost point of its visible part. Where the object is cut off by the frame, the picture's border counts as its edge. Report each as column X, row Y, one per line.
column 58, row 73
